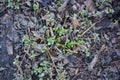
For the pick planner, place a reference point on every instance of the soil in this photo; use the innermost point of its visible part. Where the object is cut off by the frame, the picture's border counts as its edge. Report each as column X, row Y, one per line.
column 102, row 64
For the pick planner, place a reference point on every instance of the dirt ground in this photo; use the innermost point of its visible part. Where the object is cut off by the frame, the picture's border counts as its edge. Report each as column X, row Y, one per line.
column 66, row 39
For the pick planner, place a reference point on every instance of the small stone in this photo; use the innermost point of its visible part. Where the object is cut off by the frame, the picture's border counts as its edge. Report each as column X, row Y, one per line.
column 114, row 40
column 74, row 7
column 31, row 24
column 28, row 3
column 24, row 22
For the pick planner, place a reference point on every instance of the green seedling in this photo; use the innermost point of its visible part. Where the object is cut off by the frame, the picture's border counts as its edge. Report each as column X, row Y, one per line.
column 105, row 0
column 57, row 2
column 83, row 12
column 97, row 14
column 79, row 41
column 62, row 75
column 51, row 40
column 36, row 6
column 60, row 31
column 69, row 44
column 96, row 36
column 14, row 4
column 110, row 11
column 10, row 4
column 50, row 20
column 43, row 69
column 43, row 50
column 26, row 40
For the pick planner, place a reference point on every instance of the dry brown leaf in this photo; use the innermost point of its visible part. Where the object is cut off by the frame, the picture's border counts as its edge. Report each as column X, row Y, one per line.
column 116, row 63
column 51, row 31
column 93, row 62
column 90, row 5
column 48, row 16
column 75, row 22
column 37, row 35
column 96, row 58
column 62, row 8
column 9, row 47
column 74, row 7
column 39, row 47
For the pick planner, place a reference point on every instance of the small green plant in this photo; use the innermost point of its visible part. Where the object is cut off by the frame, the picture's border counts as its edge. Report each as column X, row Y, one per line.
column 51, row 40
column 83, row 12
column 97, row 14
column 43, row 69
column 50, row 20
column 87, row 52
column 69, row 44
column 60, row 31
column 79, row 41
column 14, row 4
column 105, row 0
column 36, row 6
column 62, row 75
column 10, row 3
column 28, row 40
column 97, row 4
column 96, row 36
column 43, row 50
column 110, row 11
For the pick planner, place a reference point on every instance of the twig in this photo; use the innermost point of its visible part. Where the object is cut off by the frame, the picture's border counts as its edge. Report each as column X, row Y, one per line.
column 51, row 31
column 53, row 63
column 96, row 57
column 90, row 27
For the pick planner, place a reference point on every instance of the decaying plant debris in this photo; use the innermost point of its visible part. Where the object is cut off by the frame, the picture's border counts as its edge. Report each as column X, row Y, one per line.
column 59, row 40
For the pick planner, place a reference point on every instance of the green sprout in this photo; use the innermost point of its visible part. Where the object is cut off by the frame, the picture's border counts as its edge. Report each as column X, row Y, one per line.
column 36, row 6
column 110, row 11
column 51, row 40
column 69, row 44
column 83, row 12
column 13, row 4
column 43, row 69
column 60, row 31
column 50, row 20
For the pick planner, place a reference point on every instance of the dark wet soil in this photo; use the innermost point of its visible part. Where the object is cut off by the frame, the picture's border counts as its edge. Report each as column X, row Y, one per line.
column 16, row 23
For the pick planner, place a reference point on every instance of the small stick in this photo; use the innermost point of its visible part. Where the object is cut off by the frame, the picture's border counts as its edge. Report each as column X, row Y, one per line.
column 90, row 27
column 95, row 59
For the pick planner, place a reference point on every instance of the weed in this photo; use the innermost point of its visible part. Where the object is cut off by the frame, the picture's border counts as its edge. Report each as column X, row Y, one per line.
column 43, row 50
column 28, row 40
column 96, row 36
column 110, row 11
column 10, row 3
column 60, row 31
column 69, row 44
column 105, row 1
column 57, row 2
column 79, row 41
column 43, row 69
column 83, row 12
column 14, row 4
column 50, row 20
column 36, row 6
column 62, row 75
column 97, row 14
column 51, row 40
